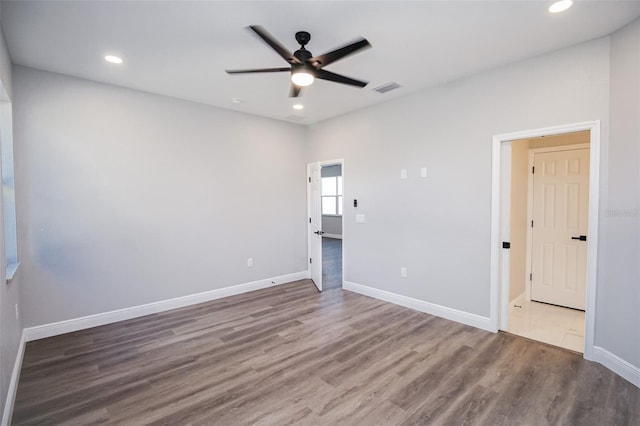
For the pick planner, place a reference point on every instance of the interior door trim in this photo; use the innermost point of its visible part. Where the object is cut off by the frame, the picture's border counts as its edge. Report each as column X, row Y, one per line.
column 498, row 197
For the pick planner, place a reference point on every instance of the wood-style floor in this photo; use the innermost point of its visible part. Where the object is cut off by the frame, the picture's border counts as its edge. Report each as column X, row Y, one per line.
column 331, row 263
column 291, row 355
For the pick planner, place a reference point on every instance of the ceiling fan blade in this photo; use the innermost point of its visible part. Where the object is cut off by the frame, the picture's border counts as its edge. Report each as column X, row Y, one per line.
column 330, row 76
column 329, row 57
column 275, row 44
column 295, row 91
column 257, row 70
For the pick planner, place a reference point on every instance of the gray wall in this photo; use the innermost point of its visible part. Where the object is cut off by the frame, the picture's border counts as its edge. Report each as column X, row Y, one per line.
column 332, row 224
column 329, row 171
column 439, row 227
column 10, row 326
column 128, row 198
column 619, row 274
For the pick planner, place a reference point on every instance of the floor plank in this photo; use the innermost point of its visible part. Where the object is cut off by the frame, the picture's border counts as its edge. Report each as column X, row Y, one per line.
column 291, row 355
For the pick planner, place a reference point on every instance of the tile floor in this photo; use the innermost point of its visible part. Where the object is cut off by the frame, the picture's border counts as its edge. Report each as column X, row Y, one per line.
column 547, row 323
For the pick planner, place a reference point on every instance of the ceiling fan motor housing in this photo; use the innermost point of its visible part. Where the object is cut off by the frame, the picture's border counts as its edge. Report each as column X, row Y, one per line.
column 303, row 55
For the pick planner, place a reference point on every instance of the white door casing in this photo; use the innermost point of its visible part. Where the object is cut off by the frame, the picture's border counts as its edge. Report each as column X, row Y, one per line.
column 498, row 196
column 314, row 233
column 560, row 217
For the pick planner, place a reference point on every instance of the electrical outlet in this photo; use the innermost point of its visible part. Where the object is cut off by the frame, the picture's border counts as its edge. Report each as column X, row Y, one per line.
column 423, row 172
column 250, row 262
column 403, row 272
column 403, row 174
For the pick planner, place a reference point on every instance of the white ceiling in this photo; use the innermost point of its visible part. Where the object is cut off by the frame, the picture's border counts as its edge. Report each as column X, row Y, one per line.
column 181, row 49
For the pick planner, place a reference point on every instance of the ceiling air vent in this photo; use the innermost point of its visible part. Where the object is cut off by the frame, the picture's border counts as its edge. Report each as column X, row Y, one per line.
column 387, row 87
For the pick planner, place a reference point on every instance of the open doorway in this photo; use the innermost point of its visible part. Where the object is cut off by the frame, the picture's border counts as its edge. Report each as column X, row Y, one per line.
column 544, row 288
column 332, row 198
column 325, row 230
column 549, row 188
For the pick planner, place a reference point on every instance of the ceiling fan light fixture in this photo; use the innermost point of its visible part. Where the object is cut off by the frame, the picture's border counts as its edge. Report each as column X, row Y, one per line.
column 302, row 77
column 560, row 6
column 303, row 66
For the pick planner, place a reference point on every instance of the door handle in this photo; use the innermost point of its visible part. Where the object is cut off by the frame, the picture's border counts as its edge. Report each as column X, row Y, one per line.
column 318, row 232
column 581, row 238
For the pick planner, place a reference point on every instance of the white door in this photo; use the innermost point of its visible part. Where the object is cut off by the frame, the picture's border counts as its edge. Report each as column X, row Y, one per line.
column 315, row 224
column 560, row 216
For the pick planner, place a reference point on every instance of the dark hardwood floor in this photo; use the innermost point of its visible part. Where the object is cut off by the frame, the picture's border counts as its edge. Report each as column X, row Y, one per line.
column 292, row 355
column 331, row 263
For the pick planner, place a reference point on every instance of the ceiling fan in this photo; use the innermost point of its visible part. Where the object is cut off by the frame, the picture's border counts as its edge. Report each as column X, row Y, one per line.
column 304, row 67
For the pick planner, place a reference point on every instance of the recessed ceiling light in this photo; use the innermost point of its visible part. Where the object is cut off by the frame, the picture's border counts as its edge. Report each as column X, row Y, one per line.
column 113, row 59
column 298, row 106
column 560, row 6
column 236, row 100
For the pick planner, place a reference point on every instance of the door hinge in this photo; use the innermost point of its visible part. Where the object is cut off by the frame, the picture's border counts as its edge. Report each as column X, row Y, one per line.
column 533, row 169
column 309, row 179
column 309, row 220
column 530, row 277
column 310, row 261
column 532, row 224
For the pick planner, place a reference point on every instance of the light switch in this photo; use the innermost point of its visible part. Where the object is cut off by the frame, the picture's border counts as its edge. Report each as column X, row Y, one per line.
column 423, row 172
column 359, row 218
column 403, row 174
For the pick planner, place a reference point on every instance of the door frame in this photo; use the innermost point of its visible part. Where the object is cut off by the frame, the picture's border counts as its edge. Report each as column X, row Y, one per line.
column 323, row 164
column 500, row 212
column 529, row 249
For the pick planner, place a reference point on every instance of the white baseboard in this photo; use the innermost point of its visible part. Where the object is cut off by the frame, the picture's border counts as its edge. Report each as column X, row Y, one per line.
column 75, row 324
column 422, row 306
column 13, row 384
column 519, row 299
column 336, row 236
column 616, row 364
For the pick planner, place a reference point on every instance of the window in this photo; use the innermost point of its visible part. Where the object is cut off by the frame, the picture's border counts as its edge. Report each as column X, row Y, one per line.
column 8, row 195
column 332, row 195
